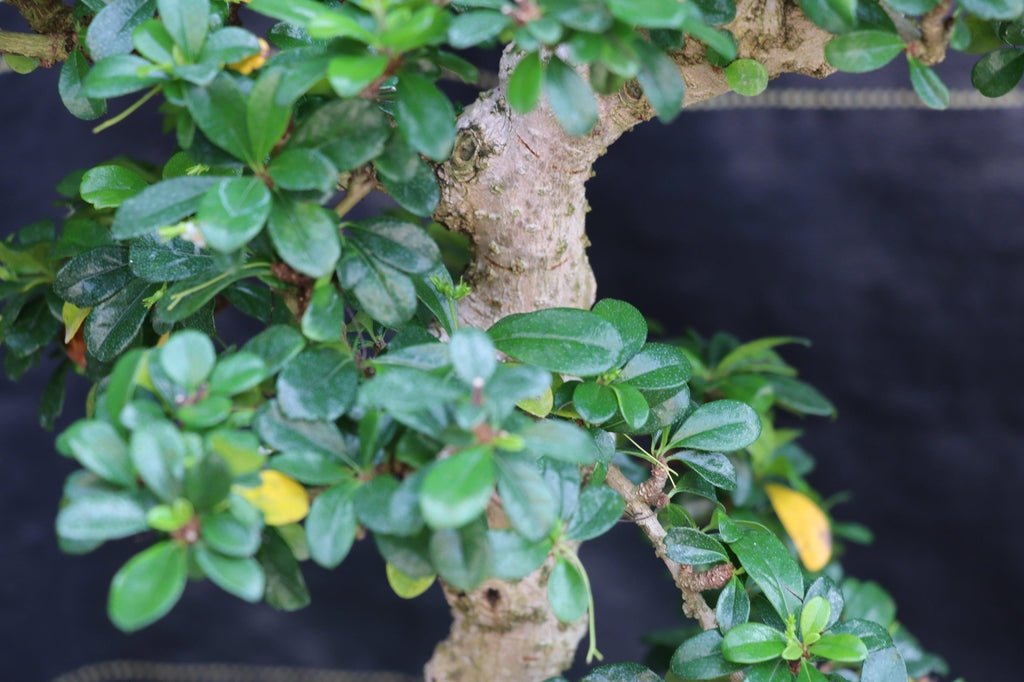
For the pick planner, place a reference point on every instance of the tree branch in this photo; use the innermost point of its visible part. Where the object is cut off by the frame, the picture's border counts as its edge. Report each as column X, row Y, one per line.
column 689, row 582
column 47, row 49
column 46, row 16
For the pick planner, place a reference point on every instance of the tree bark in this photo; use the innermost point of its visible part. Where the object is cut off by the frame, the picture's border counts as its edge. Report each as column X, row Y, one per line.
column 515, row 184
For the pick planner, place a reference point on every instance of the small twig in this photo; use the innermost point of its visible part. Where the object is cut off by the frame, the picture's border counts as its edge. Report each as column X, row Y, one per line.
column 359, row 186
column 48, row 49
column 936, row 29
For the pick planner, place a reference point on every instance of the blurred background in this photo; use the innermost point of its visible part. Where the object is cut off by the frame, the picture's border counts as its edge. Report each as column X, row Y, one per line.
column 891, row 238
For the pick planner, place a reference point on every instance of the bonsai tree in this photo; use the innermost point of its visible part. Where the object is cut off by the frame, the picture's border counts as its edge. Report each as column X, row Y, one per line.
column 436, row 378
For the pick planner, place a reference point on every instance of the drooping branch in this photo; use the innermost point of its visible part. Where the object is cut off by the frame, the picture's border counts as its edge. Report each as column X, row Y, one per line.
column 690, row 583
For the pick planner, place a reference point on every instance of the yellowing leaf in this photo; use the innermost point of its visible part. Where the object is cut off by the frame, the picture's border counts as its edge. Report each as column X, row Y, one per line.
column 256, row 61
column 805, row 523
column 281, row 498
column 73, row 317
column 539, row 406
column 405, row 586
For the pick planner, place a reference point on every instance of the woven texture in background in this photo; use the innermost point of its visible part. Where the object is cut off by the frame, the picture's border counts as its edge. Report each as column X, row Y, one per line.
column 144, row 671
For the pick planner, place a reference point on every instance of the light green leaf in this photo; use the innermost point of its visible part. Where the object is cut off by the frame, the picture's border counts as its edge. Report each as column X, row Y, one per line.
column 567, row 592
column 306, row 236
column 457, row 489
column 148, row 586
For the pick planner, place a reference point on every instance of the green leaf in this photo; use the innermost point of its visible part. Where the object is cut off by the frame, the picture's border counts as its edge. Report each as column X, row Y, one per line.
column 349, row 132
column 101, row 516
column 661, row 81
column 886, row 665
column 351, row 74
column 474, row 356
column 475, row 27
column 406, row 586
column 286, row 589
column 398, row 244
column 595, row 402
column 109, row 186
column 331, row 525
column 99, row 448
column 324, row 319
column 425, row 116
column 563, row 340
column 994, row 9
column 219, row 110
column 418, row 194
column 868, row 600
column 809, row 673
column 700, row 658
column 72, row 88
column 622, row 672
column 746, row 77
column 148, row 586
column 158, row 453
column 461, row 556
column 724, row 425
column 713, row 467
column 188, row 22
column 560, row 440
column 266, row 116
column 720, row 41
column 306, row 236
column 319, row 384
column 659, row 371
column 632, row 405
column 303, row 169
column 513, row 557
column 927, row 84
column 525, row 83
column 874, row 636
column 826, row 15
column 800, row 397
column 188, row 358
column 296, row 436
column 648, row 13
column 733, row 607
column 694, row 548
column 570, row 97
column 567, row 592
column 230, row 535
column 237, row 373
column 525, row 496
column 814, row 617
column 998, row 72
column 242, row 577
column 599, row 508
column 628, row 322
column 386, row 506
column 121, row 75
column 164, row 203
column 94, row 276
column 770, row 565
column 228, row 45
column 233, row 212
column 913, row 7
column 110, row 31
column 843, row 648
column 456, row 490
column 717, row 12
column 114, row 324
column 863, row 51
column 276, row 345
column 155, row 260
column 752, row 643
column 153, row 42
column 776, row 670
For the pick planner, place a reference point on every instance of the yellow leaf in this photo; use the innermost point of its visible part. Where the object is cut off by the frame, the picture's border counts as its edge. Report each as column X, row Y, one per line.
column 256, row 61
column 281, row 498
column 405, row 586
column 539, row 406
column 73, row 317
column 805, row 523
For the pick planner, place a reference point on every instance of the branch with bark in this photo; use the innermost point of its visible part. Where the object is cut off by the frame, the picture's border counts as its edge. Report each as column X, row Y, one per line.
column 54, row 35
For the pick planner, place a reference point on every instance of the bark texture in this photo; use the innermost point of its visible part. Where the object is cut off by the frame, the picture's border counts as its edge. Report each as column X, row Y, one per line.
column 516, row 186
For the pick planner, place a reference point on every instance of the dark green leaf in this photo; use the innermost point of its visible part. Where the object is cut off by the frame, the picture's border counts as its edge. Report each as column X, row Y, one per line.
column 99, row 448
column 998, row 72
column 398, row 244
column 296, row 436
column 462, row 556
column 331, row 525
column 863, row 51
column 303, row 169
column 113, row 325
column 632, row 405
column 242, row 577
column 771, row 566
column 148, row 586
column 844, row 648
column 725, row 425
column 418, row 194
column 885, row 665
column 661, row 81
column 386, row 506
column 570, row 98
column 595, row 402
column 230, row 535
column 228, row 45
column 567, row 592
column 694, row 548
column 733, row 607
column 628, row 321
column 474, row 357
column 220, row 109
column 188, row 22
column 233, row 212
column 306, row 236
column 994, row 9
column 156, row 260
column 164, row 203
column 351, row 74
column 424, row 116
column 525, row 83
column 753, row 643
column 513, row 557
column 349, row 132
column 286, row 589
column 475, row 27
column 110, row 31
column 525, row 496
column 599, row 508
column 121, row 75
column 319, row 384
column 158, row 453
column 622, row 672
column 700, row 658
column 72, row 90
column 94, row 276
column 109, row 186
column 324, row 319
column 276, row 345
column 266, row 116
column 563, row 340
column 560, row 440
column 648, row 13
column 188, row 358
column 713, row 467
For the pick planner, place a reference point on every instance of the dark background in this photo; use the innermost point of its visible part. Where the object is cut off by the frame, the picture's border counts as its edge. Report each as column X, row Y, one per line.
column 893, row 239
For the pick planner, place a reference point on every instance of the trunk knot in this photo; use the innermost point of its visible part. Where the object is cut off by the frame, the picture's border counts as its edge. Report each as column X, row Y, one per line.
column 468, row 155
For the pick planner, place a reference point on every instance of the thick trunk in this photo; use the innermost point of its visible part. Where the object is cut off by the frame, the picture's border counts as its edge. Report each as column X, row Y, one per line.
column 515, row 186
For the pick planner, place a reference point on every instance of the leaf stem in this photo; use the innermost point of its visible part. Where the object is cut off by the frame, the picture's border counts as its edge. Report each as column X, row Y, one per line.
column 114, row 120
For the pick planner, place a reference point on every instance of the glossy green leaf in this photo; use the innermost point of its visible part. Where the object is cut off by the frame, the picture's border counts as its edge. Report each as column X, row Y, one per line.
column 570, row 98
column 188, row 22
column 324, row 319
column 219, row 109
column 700, row 658
column 298, row 436
column 398, row 244
column 306, row 236
column 286, row 588
column 156, row 260
column 648, row 13
column 425, row 116
column 101, row 516
column 242, row 577
column 319, row 384
column 632, row 405
column 752, row 643
column 331, row 525
column 844, row 648
column 276, row 345
column 237, row 373
column 303, row 169
column 525, row 496
column 457, row 489
column 595, row 402
column 228, row 45
column 386, row 506
column 994, row 9
column 121, row 75
column 661, row 81
column 927, row 84
column 230, row 535
column 770, row 565
column 825, row 14
column 349, row 75
column 563, row 340
column 885, row 665
column 998, row 72
column 599, row 508
column 658, row 370
column 266, row 116
column 349, row 132
column 110, row 31
column 560, row 440
column 164, row 203
column 420, row 193
column 158, row 453
column 513, row 557
column 473, row 354
column 628, row 322
column 233, row 212
column 694, row 548
column 109, row 186
column 94, row 276
column 746, row 77
column 525, row 83
column 733, row 606
column 862, row 51
column 713, row 467
column 568, row 593
column 113, row 325
column 461, row 556
column 148, row 586
column 71, row 87
column 475, row 27
column 99, row 448
column 724, row 425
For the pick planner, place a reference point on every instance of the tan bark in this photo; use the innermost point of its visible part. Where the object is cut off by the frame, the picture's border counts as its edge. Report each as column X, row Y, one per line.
column 516, row 186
